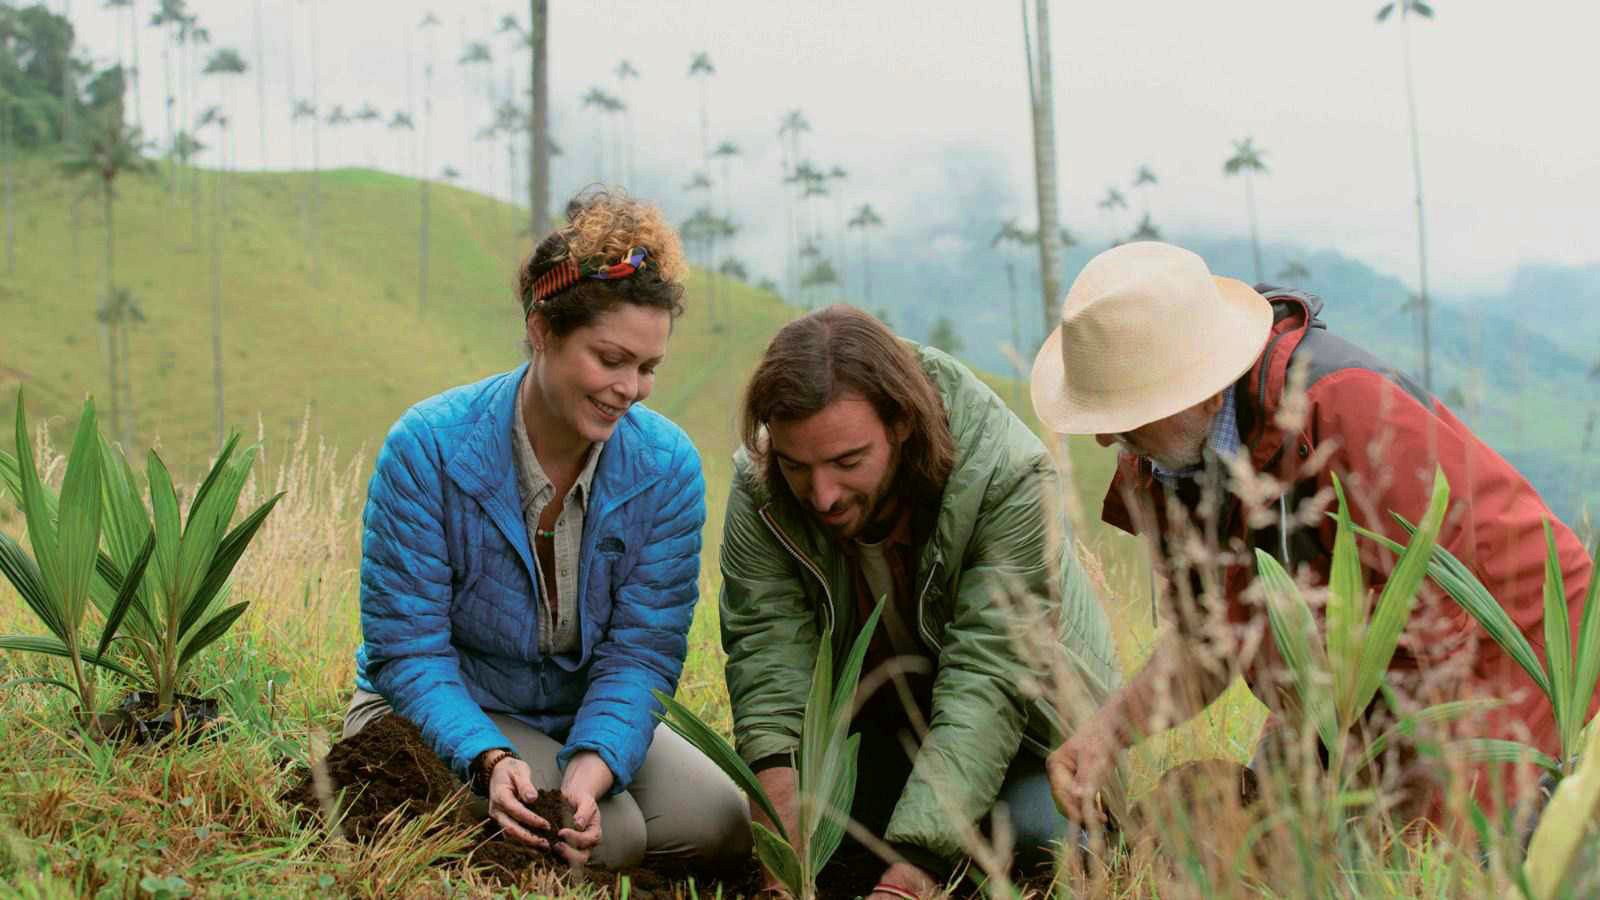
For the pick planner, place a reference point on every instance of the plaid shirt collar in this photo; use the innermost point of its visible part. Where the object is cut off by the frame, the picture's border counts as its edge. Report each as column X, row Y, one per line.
column 1223, row 443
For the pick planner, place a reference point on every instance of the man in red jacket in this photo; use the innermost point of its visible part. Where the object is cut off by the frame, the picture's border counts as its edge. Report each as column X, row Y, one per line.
column 1233, row 408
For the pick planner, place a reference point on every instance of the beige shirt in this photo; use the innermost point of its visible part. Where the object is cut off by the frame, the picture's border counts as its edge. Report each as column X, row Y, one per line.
column 561, row 634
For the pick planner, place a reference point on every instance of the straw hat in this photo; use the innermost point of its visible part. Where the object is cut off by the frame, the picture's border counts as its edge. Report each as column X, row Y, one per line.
column 1146, row 331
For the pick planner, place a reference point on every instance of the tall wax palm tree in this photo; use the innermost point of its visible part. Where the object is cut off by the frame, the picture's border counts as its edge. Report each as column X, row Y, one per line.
column 315, row 187
column 261, row 83
column 368, row 117
column 6, row 189
column 133, row 39
column 790, row 131
column 1246, row 162
column 1293, row 272
column 426, row 26
column 1111, row 204
column 625, row 73
column 1041, row 99
column 836, row 176
column 1146, row 230
column 599, row 103
column 539, row 123
column 169, row 17
column 1008, row 236
column 1144, row 178
column 224, row 63
column 1423, row 10
column 726, row 151
column 866, row 219
column 400, row 121
column 701, row 69
column 477, row 56
column 106, row 151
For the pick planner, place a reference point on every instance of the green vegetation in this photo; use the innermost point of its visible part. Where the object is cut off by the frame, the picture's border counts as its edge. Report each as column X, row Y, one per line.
column 825, row 767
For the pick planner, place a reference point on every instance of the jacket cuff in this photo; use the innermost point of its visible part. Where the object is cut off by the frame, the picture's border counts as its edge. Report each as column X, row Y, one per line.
column 773, row 761
column 937, row 867
column 620, row 779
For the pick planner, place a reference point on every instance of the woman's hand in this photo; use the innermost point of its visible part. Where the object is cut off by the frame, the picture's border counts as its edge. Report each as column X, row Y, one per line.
column 510, row 791
column 588, row 778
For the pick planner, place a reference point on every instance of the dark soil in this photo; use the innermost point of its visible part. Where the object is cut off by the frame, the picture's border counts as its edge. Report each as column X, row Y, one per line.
column 388, row 766
column 138, row 719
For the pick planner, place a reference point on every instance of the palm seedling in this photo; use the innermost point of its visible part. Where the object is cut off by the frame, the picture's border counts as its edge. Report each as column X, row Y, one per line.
column 56, row 582
column 170, row 611
column 1337, row 678
column 825, row 763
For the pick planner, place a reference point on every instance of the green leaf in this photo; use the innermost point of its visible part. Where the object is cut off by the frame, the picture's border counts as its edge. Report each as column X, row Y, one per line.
column 690, row 727
column 40, row 518
column 1469, row 593
column 1587, row 664
column 53, row 682
column 215, row 628
column 1498, row 750
column 813, row 760
column 222, row 562
column 1293, row 630
column 780, row 860
column 168, row 528
column 50, row 646
column 24, row 576
column 1407, row 726
column 830, row 825
column 1558, row 642
column 1346, row 613
column 218, row 469
column 78, row 529
column 844, row 692
column 127, row 596
column 1566, row 823
column 1399, row 596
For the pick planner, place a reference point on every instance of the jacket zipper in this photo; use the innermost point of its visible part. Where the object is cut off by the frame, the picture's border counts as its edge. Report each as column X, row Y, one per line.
column 805, row 561
column 922, row 617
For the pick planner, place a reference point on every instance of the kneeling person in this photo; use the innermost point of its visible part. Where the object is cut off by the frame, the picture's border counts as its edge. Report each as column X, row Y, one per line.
column 872, row 468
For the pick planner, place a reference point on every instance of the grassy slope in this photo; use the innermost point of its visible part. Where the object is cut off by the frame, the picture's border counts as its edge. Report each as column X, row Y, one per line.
column 354, row 351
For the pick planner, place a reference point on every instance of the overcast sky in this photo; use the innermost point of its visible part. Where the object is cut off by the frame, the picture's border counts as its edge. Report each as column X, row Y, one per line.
column 911, row 98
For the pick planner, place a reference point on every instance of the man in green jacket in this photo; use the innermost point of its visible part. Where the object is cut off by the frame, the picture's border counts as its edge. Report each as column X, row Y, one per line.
column 872, row 468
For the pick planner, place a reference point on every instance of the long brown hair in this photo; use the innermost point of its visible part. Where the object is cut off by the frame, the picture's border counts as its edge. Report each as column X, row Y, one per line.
column 818, row 357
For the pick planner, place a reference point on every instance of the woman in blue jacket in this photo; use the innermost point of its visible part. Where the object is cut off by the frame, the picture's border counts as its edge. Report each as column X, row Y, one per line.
column 531, row 561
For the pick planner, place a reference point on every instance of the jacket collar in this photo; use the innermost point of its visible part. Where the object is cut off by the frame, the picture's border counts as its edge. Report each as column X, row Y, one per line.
column 484, row 466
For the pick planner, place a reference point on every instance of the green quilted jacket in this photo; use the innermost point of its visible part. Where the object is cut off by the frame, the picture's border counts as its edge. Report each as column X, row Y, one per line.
column 785, row 584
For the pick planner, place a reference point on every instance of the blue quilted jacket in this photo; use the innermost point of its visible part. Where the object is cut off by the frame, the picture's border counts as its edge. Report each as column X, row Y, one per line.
column 448, row 591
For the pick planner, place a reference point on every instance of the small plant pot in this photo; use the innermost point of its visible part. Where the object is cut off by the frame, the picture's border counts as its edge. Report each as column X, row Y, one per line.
column 189, row 716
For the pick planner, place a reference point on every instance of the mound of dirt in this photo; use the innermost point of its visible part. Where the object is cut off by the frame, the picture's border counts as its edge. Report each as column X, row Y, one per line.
column 388, row 766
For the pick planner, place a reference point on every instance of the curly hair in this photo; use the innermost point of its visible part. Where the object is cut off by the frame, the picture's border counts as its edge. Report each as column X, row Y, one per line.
column 603, row 224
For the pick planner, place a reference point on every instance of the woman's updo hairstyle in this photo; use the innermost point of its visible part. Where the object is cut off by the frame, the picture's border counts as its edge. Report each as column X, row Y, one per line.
column 603, row 226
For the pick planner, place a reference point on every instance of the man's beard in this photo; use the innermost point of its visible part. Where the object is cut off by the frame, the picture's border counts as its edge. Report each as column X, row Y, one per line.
column 875, row 506
column 1191, row 445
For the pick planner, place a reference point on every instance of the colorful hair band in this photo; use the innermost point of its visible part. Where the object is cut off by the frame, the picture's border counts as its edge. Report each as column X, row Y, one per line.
column 566, row 274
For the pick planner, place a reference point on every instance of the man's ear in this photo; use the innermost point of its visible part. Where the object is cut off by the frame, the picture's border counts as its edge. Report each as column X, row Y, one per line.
column 902, row 431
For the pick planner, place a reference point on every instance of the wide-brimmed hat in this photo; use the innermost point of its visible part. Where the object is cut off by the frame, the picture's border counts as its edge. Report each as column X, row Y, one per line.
column 1146, row 332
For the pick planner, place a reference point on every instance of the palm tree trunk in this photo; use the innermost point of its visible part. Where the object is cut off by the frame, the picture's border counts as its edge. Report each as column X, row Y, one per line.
column 538, row 127
column 138, row 90
column 5, row 177
column 866, row 265
column 216, row 306
column 169, row 102
column 1042, row 95
column 110, row 320
column 1255, row 239
column 316, row 161
column 1423, row 310
column 261, row 85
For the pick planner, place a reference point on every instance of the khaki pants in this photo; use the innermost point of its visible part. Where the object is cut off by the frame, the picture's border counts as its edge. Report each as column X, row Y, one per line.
column 680, row 806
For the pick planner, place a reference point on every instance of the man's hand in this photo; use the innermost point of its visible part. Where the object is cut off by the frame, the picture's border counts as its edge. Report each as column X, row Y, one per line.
column 781, row 784
column 510, row 791
column 907, row 878
column 1079, row 770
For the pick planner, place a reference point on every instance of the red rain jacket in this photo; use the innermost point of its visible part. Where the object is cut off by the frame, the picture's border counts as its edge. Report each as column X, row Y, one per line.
column 1383, row 435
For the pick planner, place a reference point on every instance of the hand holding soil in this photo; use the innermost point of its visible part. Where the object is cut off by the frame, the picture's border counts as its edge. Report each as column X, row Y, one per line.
column 1079, row 769
column 580, row 832
column 511, row 794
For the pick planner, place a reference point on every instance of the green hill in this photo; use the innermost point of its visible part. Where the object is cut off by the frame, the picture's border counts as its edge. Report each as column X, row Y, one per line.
column 352, row 349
